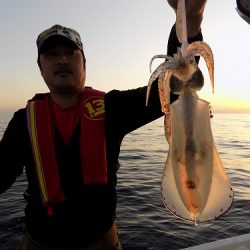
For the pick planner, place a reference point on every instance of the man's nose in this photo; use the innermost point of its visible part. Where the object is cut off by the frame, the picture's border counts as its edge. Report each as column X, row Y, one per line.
column 62, row 59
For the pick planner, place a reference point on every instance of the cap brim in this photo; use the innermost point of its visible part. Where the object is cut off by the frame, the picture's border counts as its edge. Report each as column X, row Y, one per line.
column 56, row 40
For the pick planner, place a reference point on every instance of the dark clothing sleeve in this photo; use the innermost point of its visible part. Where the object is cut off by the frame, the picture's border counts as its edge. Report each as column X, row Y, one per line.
column 11, row 152
column 129, row 108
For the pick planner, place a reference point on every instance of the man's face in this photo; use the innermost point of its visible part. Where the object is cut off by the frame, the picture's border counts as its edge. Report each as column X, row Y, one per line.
column 63, row 68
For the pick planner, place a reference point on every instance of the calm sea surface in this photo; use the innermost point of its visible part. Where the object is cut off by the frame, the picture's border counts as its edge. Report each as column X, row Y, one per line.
column 142, row 220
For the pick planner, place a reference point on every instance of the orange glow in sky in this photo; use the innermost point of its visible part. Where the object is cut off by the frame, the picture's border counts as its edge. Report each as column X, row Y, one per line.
column 120, row 38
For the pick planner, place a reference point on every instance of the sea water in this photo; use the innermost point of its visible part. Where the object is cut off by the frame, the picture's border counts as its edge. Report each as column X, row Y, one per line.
column 142, row 219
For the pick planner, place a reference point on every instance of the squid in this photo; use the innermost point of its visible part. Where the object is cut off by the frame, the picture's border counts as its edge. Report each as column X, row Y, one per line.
column 195, row 185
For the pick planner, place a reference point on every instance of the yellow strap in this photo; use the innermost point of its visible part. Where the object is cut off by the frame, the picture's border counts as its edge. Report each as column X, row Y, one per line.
column 35, row 146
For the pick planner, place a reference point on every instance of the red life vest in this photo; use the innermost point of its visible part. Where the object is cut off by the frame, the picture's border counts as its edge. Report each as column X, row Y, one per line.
column 92, row 143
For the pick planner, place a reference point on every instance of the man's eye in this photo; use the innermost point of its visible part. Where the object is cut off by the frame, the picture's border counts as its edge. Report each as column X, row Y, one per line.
column 50, row 53
column 176, row 84
column 71, row 52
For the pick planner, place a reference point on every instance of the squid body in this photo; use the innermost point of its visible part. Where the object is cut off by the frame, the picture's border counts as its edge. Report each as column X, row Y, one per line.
column 195, row 185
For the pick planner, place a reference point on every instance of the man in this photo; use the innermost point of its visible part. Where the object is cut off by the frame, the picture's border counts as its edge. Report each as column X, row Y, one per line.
column 69, row 142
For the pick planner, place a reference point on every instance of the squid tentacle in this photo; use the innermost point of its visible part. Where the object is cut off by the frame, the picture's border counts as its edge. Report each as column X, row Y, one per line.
column 162, row 68
column 203, row 49
column 164, row 90
column 169, row 58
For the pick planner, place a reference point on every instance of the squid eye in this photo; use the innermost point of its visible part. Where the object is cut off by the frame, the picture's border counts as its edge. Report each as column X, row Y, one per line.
column 197, row 80
column 176, row 84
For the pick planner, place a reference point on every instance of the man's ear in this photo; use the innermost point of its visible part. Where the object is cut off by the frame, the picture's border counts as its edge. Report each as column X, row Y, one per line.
column 39, row 64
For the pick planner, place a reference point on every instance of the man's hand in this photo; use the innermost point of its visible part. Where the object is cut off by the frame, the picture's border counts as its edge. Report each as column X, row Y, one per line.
column 194, row 10
column 193, row 7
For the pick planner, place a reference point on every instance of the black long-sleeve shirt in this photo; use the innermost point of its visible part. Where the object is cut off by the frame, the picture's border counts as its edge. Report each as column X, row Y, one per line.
column 88, row 211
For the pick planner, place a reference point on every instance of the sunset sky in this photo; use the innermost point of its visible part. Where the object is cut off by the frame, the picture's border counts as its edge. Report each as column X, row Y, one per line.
column 119, row 38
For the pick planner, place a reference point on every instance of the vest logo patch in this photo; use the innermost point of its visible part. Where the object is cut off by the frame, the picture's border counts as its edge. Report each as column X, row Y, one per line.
column 94, row 108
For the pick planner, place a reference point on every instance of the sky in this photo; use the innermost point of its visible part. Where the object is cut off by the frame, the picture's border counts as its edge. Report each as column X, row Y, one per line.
column 120, row 38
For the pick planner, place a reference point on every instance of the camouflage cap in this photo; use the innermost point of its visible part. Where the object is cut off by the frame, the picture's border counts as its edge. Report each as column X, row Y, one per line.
column 58, row 30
